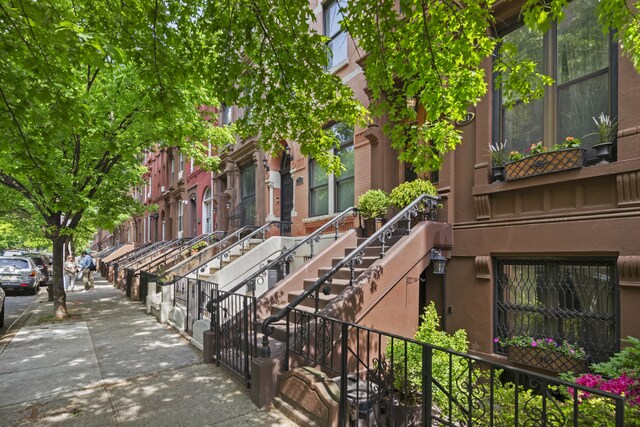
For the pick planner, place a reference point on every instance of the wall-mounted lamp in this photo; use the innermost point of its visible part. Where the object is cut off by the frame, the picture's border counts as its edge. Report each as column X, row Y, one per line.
column 228, row 205
column 411, row 102
column 265, row 163
column 438, row 260
column 287, row 152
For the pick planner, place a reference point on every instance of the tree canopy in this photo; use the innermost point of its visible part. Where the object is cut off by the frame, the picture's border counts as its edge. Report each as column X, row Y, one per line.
column 86, row 87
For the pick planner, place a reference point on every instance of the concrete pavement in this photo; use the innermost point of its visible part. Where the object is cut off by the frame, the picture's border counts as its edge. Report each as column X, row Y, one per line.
column 111, row 364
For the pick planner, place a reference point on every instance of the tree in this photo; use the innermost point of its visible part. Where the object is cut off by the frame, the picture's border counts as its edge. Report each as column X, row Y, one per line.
column 433, row 50
column 86, row 87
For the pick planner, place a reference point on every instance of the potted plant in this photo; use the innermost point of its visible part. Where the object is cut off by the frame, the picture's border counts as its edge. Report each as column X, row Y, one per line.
column 405, row 193
column 373, row 206
column 545, row 353
column 606, row 131
column 498, row 159
column 198, row 246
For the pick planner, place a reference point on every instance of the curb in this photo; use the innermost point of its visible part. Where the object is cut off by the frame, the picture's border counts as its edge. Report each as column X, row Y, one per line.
column 15, row 327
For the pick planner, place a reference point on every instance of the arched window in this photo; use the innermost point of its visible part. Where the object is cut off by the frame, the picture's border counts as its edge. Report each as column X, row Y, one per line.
column 207, row 211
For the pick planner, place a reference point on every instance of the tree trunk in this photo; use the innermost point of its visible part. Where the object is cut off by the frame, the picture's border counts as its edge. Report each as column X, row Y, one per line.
column 59, row 296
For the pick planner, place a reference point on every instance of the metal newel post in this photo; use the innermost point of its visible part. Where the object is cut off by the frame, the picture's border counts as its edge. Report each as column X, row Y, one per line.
column 343, row 414
column 427, row 389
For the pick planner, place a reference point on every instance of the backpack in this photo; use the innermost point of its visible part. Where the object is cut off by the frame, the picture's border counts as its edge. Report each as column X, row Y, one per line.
column 92, row 265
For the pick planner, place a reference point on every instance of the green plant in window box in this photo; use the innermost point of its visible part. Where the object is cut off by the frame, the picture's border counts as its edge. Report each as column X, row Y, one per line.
column 537, row 148
column 569, row 142
column 514, row 156
column 545, row 353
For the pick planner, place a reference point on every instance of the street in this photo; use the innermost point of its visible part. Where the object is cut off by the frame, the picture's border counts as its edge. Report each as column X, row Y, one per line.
column 15, row 305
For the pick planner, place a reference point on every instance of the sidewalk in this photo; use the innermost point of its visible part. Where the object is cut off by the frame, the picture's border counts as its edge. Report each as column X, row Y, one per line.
column 111, row 364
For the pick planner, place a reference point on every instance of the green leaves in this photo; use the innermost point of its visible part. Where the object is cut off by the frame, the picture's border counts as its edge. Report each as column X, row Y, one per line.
column 432, row 51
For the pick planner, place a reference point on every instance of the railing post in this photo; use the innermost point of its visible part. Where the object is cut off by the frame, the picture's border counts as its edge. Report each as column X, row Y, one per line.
column 427, row 389
column 217, row 326
column 620, row 412
column 343, row 414
column 247, row 375
column 199, row 300
column 188, row 304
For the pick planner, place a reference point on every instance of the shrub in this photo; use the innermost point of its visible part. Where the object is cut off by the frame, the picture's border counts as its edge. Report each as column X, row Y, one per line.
column 407, row 192
column 373, row 204
column 428, row 332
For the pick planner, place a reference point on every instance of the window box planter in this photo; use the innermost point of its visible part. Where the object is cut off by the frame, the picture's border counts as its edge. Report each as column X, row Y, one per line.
column 546, row 359
column 543, row 163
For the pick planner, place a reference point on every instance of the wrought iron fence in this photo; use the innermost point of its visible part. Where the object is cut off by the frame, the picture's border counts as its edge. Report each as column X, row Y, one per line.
column 180, row 292
column 193, row 296
column 233, row 323
column 572, row 300
column 129, row 281
column 386, row 379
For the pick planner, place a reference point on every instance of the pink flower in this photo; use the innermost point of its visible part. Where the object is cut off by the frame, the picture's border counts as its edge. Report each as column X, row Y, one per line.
column 534, row 344
column 496, row 340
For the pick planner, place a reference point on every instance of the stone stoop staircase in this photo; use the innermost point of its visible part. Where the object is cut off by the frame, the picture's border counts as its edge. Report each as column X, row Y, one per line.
column 208, row 270
column 340, row 281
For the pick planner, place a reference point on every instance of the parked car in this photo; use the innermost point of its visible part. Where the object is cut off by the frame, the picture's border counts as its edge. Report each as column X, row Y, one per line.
column 44, row 265
column 19, row 272
column 2, row 295
column 11, row 252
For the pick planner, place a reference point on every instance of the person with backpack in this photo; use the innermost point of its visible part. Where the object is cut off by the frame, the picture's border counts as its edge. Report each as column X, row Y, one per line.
column 88, row 266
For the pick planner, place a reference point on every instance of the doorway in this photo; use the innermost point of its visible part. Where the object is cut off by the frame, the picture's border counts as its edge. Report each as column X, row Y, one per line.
column 286, row 191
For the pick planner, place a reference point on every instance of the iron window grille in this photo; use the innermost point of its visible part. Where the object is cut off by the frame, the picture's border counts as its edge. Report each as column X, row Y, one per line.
column 573, row 300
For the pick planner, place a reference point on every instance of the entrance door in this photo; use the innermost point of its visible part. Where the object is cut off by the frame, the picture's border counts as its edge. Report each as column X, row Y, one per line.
column 286, row 190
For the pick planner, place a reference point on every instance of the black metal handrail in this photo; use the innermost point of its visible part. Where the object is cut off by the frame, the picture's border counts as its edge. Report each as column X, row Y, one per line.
column 144, row 248
column 221, row 244
column 424, row 203
column 262, row 231
column 106, row 252
column 173, row 255
column 288, row 255
column 155, row 247
column 169, row 247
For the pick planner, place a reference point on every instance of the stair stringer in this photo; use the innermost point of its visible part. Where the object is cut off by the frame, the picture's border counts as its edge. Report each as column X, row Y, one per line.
column 386, row 296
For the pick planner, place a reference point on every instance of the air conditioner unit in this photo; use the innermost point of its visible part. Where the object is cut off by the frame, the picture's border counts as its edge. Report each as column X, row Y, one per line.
column 162, row 189
column 179, row 174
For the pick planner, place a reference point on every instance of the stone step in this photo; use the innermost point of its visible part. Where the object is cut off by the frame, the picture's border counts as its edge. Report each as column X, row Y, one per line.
column 366, row 261
column 337, row 285
column 311, row 302
column 343, row 273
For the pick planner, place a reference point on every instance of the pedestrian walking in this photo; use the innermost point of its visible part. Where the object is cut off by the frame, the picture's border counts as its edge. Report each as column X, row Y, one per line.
column 88, row 266
column 70, row 269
